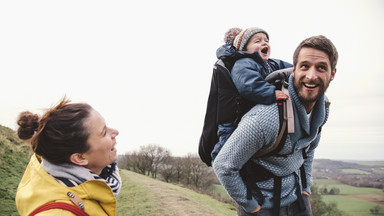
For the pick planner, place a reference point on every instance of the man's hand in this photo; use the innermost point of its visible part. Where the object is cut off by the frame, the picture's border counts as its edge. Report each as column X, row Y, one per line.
column 305, row 193
column 280, row 95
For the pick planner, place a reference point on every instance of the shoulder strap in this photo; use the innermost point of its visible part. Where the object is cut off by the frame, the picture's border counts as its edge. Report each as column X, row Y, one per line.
column 288, row 112
column 60, row 205
column 286, row 126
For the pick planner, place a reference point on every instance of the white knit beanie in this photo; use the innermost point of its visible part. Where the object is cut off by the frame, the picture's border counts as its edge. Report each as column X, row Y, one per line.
column 242, row 39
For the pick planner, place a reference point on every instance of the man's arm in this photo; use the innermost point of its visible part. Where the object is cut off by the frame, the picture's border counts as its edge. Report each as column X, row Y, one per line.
column 308, row 164
column 246, row 140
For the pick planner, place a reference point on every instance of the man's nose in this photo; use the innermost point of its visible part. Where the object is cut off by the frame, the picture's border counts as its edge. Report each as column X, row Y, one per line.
column 311, row 73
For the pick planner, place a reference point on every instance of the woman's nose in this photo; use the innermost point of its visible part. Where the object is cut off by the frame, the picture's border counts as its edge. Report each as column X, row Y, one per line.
column 114, row 132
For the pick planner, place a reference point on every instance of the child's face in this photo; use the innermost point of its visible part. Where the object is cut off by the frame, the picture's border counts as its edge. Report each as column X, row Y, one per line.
column 260, row 43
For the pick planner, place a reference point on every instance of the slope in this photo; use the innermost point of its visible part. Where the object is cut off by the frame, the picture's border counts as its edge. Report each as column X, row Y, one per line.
column 14, row 157
column 142, row 195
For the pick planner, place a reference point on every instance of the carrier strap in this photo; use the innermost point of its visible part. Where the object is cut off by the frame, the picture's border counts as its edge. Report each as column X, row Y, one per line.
column 276, row 194
column 60, row 205
column 299, row 194
column 288, row 111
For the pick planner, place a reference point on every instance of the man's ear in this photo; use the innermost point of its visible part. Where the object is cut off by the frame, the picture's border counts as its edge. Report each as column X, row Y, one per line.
column 333, row 74
column 78, row 159
column 293, row 71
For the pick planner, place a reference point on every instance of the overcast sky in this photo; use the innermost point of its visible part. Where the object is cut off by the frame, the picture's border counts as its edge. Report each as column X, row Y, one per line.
column 146, row 66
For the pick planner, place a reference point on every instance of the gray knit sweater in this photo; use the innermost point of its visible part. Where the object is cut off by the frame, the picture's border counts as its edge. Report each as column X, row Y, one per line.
column 257, row 130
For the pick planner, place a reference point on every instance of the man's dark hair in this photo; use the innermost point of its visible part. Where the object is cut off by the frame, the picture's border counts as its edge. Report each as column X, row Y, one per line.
column 320, row 43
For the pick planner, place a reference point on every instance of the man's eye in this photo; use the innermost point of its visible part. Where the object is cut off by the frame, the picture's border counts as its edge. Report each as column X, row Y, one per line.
column 322, row 68
column 304, row 66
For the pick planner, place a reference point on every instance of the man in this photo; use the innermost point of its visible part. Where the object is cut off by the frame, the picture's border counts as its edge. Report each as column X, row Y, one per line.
column 314, row 67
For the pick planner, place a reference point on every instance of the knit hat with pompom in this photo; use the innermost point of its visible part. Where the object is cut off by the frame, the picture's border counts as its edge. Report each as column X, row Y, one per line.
column 231, row 34
column 242, row 38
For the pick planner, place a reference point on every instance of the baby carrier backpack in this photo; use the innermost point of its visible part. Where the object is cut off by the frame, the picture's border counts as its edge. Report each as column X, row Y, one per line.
column 226, row 105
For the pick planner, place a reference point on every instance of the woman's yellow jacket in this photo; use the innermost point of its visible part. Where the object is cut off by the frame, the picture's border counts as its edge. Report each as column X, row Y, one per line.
column 37, row 188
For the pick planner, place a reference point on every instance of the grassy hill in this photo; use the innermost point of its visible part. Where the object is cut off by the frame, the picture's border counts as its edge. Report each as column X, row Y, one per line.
column 14, row 157
column 142, row 195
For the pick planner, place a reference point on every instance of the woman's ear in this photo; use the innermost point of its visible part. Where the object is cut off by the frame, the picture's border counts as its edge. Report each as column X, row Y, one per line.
column 78, row 159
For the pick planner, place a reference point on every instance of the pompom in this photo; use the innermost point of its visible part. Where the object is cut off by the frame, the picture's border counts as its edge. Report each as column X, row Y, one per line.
column 231, row 34
column 28, row 124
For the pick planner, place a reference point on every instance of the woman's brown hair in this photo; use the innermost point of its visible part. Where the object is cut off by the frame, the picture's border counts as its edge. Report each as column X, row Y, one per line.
column 59, row 133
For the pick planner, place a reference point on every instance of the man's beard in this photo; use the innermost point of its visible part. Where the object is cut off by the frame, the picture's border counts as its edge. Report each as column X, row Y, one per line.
column 308, row 101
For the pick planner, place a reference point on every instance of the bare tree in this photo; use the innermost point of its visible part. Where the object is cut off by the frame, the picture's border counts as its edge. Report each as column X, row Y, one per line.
column 152, row 159
column 153, row 156
column 178, row 169
column 134, row 161
column 197, row 173
column 168, row 170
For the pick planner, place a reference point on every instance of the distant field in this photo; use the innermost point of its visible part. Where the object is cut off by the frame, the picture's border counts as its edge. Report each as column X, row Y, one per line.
column 354, row 171
column 346, row 189
column 351, row 206
column 356, row 201
column 369, row 163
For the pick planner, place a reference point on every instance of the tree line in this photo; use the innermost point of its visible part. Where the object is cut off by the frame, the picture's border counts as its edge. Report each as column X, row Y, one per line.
column 158, row 162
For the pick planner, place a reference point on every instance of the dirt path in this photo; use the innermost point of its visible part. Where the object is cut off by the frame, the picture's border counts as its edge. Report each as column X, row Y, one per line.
column 372, row 198
column 176, row 200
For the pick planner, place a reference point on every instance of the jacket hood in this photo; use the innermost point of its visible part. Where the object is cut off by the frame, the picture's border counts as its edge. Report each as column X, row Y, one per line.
column 225, row 51
column 229, row 52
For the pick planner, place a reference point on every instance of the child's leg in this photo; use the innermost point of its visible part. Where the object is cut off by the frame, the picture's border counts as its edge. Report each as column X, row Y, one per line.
column 224, row 132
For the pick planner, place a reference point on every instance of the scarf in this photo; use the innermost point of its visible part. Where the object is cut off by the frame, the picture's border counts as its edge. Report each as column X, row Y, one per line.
column 72, row 175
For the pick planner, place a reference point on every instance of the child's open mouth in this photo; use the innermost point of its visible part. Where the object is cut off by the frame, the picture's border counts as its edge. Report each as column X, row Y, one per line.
column 264, row 50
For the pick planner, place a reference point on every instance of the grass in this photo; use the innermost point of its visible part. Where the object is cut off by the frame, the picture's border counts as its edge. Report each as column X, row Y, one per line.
column 351, row 206
column 218, row 189
column 136, row 199
column 142, row 195
column 14, row 157
column 346, row 189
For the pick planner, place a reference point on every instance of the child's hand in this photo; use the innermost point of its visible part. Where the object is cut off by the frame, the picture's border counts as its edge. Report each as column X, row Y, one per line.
column 280, row 95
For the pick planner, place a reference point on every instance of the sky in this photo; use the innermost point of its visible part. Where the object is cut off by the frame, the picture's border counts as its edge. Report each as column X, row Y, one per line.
column 146, row 66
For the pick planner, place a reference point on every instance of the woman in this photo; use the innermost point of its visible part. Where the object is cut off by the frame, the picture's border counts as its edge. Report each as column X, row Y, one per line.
column 74, row 162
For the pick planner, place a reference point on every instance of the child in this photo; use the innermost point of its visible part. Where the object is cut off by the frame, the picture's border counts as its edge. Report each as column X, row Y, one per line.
column 250, row 53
